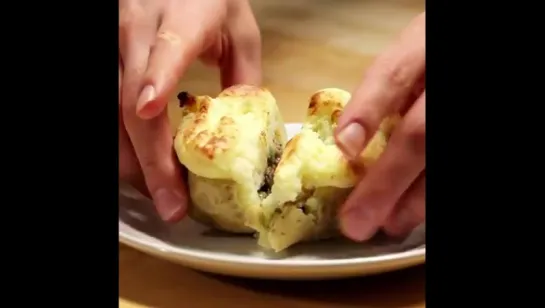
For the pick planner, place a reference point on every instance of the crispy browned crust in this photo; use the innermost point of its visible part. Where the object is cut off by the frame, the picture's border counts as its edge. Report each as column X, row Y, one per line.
column 326, row 102
column 207, row 142
column 213, row 142
column 225, row 142
column 243, row 90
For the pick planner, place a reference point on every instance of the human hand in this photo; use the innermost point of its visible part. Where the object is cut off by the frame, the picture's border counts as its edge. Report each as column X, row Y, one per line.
column 391, row 195
column 158, row 40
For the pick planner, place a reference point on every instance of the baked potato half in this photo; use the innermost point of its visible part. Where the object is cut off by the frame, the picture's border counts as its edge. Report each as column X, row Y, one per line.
column 313, row 178
column 230, row 146
column 244, row 178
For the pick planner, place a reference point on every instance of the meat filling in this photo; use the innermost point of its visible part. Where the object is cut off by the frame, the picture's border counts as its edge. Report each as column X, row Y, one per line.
column 268, row 178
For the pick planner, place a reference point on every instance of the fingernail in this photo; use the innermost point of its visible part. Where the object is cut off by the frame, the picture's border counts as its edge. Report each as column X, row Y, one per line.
column 351, row 139
column 169, row 203
column 147, row 95
column 358, row 224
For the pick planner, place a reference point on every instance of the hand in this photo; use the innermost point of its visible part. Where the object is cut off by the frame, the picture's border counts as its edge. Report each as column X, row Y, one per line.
column 158, row 39
column 391, row 195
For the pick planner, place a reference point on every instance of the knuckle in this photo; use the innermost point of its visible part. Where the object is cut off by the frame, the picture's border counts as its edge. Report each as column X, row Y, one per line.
column 398, row 76
column 149, row 163
column 169, row 36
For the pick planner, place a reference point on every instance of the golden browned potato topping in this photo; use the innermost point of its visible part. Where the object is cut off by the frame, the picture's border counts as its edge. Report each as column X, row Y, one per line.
column 229, row 144
column 244, row 178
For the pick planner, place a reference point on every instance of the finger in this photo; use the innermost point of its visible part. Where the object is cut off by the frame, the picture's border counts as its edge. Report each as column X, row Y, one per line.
column 136, row 33
column 129, row 169
column 151, row 140
column 134, row 40
column 410, row 211
column 373, row 199
column 137, row 23
column 241, row 56
column 385, row 88
column 152, row 143
column 179, row 41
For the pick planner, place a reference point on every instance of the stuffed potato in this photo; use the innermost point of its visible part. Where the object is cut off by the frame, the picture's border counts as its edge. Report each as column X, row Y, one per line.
column 244, row 178
column 313, row 178
column 230, row 145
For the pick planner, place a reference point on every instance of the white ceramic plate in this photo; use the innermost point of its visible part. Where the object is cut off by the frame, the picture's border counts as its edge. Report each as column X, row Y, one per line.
column 194, row 245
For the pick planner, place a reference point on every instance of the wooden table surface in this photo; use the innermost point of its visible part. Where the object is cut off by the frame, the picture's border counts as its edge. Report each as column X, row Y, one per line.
column 307, row 45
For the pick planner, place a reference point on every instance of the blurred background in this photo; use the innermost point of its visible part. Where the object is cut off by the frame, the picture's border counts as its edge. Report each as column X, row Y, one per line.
column 312, row 44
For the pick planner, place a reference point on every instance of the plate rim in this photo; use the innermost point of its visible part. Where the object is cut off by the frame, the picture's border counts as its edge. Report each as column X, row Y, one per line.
column 133, row 241
column 413, row 256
